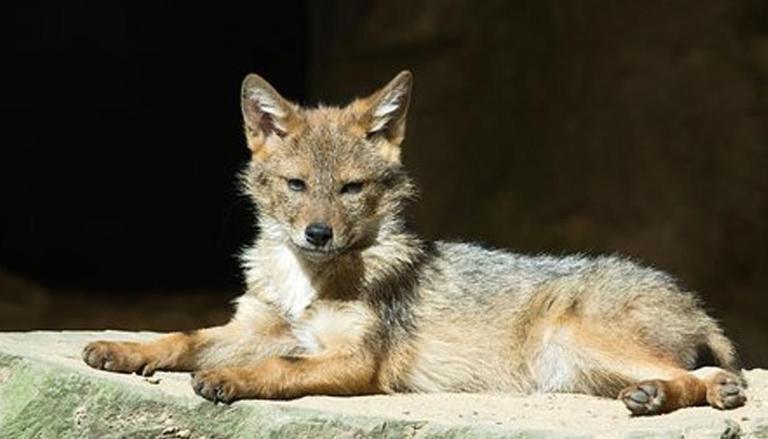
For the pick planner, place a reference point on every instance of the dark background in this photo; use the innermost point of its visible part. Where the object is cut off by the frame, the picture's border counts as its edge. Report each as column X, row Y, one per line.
column 639, row 128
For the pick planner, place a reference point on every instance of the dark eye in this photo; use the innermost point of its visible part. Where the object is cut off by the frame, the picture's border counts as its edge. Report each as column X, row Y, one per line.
column 296, row 185
column 353, row 187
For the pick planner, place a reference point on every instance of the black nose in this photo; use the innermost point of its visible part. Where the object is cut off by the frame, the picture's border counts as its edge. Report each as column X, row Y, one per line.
column 318, row 234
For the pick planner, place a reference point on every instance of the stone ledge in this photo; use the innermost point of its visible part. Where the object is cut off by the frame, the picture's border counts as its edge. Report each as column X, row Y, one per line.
column 47, row 392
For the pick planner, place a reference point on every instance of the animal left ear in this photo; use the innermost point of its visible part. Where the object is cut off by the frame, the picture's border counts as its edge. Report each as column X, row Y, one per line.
column 387, row 108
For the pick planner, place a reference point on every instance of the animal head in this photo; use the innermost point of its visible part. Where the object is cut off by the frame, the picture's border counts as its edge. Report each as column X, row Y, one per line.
column 326, row 180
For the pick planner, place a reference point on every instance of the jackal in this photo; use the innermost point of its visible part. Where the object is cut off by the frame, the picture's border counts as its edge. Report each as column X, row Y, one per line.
column 342, row 299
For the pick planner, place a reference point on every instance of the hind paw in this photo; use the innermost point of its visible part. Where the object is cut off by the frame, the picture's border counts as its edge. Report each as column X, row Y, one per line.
column 725, row 391
column 645, row 398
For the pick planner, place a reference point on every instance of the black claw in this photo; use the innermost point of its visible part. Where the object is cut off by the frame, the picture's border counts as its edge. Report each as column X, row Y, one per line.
column 147, row 370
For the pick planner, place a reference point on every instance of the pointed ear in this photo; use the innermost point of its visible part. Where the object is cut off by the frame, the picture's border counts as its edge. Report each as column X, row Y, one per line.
column 265, row 112
column 387, row 109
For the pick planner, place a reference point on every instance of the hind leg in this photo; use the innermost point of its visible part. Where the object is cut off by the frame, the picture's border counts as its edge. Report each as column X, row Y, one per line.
column 586, row 358
column 655, row 396
column 706, row 386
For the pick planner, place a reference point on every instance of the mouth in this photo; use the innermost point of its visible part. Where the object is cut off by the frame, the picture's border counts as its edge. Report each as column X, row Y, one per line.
column 316, row 252
column 328, row 251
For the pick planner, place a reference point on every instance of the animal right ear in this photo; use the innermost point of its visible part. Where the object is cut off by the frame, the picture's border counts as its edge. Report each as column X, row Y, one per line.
column 265, row 112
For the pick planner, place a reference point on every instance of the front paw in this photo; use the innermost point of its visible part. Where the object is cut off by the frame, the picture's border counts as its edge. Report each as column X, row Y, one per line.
column 218, row 385
column 125, row 357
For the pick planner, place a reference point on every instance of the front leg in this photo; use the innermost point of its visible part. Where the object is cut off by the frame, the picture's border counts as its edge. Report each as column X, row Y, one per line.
column 255, row 332
column 290, row 377
column 174, row 351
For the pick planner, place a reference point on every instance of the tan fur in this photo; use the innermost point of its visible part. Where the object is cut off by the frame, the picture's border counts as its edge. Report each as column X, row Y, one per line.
column 374, row 309
column 289, row 377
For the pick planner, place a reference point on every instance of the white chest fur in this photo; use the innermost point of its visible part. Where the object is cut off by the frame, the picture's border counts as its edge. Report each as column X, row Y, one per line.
column 277, row 279
column 281, row 278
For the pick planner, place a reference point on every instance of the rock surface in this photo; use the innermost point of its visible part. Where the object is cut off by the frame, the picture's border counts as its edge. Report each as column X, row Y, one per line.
column 47, row 392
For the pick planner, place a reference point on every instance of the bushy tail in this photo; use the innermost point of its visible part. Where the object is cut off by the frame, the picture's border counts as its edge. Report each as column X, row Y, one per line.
column 721, row 352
